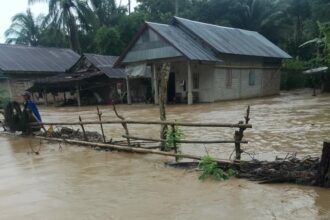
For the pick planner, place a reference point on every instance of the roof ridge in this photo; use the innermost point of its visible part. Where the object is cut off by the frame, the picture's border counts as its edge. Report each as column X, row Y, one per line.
column 35, row 47
column 214, row 25
column 95, row 54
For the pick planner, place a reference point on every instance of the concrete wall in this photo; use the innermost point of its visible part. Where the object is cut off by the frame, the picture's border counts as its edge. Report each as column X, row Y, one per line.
column 5, row 89
column 17, row 87
column 213, row 82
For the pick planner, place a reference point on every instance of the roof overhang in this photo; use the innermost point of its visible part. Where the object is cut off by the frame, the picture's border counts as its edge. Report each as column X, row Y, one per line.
column 322, row 69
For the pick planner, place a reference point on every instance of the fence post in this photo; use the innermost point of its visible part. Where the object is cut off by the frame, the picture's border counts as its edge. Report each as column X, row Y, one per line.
column 83, row 129
column 175, row 147
column 99, row 114
column 324, row 170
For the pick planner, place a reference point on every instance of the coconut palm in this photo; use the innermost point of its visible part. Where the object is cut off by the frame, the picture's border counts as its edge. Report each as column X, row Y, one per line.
column 69, row 16
column 25, row 29
column 107, row 11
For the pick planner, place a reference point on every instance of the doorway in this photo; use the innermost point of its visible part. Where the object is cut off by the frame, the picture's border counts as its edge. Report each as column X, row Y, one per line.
column 171, row 88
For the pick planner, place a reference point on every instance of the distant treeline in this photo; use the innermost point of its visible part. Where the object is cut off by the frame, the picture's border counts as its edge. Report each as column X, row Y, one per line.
column 301, row 27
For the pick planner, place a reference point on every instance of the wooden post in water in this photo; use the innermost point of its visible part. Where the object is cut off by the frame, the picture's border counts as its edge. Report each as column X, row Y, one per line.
column 99, row 114
column 124, row 124
column 78, row 95
column 83, row 129
column 175, row 147
column 324, row 172
column 164, row 75
column 239, row 134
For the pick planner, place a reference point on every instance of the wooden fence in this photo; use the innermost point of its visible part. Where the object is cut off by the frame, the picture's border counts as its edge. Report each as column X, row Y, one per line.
column 241, row 126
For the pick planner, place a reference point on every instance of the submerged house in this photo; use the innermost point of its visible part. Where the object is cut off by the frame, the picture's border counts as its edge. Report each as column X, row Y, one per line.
column 208, row 62
column 21, row 65
column 93, row 80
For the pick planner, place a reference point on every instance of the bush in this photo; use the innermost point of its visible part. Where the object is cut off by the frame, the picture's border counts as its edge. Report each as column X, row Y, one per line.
column 292, row 74
column 210, row 169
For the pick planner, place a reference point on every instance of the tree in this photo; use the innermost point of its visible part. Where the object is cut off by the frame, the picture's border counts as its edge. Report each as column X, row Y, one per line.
column 299, row 10
column 69, row 15
column 25, row 29
column 107, row 41
column 107, row 11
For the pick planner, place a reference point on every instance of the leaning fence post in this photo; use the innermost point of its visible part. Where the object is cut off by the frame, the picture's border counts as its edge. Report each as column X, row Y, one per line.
column 83, row 129
column 99, row 114
column 124, row 124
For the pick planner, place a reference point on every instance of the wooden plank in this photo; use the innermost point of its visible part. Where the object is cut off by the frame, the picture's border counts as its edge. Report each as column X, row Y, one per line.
column 134, row 149
column 187, row 141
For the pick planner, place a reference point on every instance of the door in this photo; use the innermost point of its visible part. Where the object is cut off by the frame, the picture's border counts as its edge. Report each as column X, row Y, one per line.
column 171, row 88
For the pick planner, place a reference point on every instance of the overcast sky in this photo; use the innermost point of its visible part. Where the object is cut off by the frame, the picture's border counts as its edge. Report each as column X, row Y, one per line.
column 12, row 7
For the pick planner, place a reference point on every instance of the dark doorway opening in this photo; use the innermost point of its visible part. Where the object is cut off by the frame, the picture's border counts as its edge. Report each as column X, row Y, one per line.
column 171, row 88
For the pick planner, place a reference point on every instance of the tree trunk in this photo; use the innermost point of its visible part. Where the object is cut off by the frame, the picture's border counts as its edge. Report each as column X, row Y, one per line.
column 164, row 75
column 324, row 171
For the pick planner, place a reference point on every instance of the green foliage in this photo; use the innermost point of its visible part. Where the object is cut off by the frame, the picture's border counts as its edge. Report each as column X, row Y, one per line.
column 103, row 26
column 210, row 169
column 25, row 29
column 292, row 74
column 107, row 41
column 173, row 137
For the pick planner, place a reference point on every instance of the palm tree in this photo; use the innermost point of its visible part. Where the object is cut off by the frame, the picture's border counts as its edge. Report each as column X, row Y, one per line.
column 107, row 11
column 24, row 29
column 69, row 16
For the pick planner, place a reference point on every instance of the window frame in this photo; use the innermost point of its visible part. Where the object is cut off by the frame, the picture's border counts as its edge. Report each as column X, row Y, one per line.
column 252, row 78
column 229, row 78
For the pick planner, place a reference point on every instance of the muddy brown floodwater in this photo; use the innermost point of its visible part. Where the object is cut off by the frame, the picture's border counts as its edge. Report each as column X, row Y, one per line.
column 80, row 183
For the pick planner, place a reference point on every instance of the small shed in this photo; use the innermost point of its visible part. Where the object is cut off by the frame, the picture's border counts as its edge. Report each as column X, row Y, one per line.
column 21, row 65
column 93, row 80
column 319, row 74
column 208, row 62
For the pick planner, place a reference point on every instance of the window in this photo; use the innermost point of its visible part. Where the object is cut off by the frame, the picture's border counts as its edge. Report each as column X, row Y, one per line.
column 196, row 81
column 252, row 78
column 229, row 78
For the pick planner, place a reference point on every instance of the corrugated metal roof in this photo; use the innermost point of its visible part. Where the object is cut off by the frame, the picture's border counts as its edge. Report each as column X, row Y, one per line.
column 232, row 40
column 182, row 42
column 18, row 58
column 322, row 69
column 105, row 64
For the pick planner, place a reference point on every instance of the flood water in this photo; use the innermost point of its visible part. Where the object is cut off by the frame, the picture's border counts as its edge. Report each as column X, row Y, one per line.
column 71, row 182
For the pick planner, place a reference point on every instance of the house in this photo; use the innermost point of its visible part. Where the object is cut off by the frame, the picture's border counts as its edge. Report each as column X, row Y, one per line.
column 21, row 65
column 94, row 80
column 208, row 62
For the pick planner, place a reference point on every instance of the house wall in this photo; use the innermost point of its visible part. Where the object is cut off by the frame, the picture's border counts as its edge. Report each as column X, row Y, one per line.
column 213, row 79
column 266, row 81
column 4, row 88
column 20, row 83
column 17, row 87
